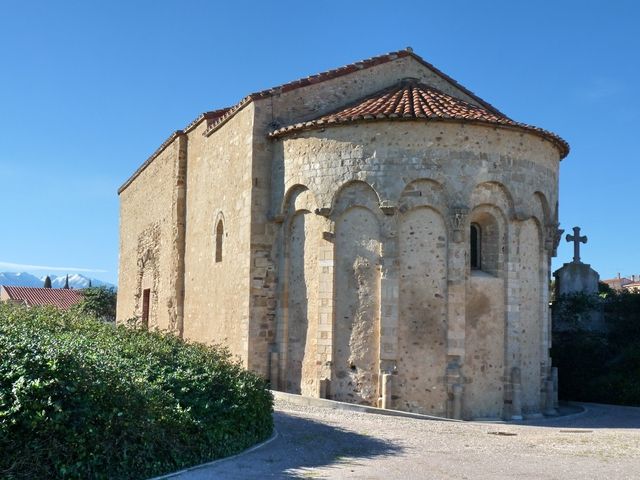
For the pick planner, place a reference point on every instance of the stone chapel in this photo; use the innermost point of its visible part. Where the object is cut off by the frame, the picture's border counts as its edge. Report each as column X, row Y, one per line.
column 375, row 234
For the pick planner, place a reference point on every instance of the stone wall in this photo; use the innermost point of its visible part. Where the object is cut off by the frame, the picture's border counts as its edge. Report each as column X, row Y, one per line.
column 357, row 315
column 444, row 325
column 531, row 319
column 219, row 184
column 298, row 347
column 484, row 367
column 390, row 155
column 150, row 241
column 422, row 326
column 302, row 331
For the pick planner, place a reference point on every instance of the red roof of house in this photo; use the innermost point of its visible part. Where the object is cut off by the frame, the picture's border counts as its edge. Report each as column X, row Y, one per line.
column 410, row 100
column 62, row 298
column 618, row 282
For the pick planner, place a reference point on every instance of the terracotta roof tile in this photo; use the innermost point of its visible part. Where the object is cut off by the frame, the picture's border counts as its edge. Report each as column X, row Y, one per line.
column 210, row 117
column 410, row 100
column 62, row 298
column 336, row 73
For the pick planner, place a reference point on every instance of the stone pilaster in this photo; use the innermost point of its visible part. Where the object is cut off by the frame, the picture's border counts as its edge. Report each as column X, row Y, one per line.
column 552, row 235
column 456, row 275
column 176, row 312
column 326, row 296
column 512, row 358
column 456, row 314
column 545, row 343
column 278, row 376
column 389, row 295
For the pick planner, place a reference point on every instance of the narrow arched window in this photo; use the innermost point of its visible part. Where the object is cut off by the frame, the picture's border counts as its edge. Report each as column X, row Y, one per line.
column 475, row 242
column 146, row 300
column 219, row 239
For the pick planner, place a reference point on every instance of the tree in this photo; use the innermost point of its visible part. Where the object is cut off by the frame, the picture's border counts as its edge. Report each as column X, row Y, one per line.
column 66, row 282
column 99, row 302
column 47, row 282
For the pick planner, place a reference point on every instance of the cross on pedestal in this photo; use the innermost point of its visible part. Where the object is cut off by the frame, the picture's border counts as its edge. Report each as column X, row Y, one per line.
column 576, row 239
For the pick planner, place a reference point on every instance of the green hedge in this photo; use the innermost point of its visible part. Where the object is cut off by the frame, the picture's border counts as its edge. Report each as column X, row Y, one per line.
column 84, row 399
column 603, row 365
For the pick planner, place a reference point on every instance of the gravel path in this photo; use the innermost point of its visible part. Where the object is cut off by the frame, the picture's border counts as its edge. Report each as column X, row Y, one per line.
column 603, row 443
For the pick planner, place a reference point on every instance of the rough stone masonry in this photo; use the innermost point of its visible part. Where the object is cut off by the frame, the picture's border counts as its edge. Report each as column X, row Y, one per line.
column 374, row 234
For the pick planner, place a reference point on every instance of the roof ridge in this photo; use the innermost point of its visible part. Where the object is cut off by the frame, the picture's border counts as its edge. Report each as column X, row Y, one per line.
column 338, row 72
column 205, row 115
column 309, row 80
column 331, row 73
column 211, row 114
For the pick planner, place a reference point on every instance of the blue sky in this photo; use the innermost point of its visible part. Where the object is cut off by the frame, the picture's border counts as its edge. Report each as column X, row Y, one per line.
column 88, row 90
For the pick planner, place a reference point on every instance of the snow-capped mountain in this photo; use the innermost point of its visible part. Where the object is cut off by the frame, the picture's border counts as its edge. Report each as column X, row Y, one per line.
column 75, row 281
column 24, row 279
column 20, row 279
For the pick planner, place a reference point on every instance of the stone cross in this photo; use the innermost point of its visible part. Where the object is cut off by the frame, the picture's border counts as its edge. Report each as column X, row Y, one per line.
column 576, row 239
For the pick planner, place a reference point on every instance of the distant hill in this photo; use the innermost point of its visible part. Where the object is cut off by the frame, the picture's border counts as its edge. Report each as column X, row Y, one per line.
column 20, row 279
column 75, row 281
column 24, row 279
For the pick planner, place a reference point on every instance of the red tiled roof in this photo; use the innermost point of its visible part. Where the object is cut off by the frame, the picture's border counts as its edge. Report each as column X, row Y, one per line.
column 62, row 298
column 410, row 100
column 336, row 73
column 618, row 281
column 211, row 117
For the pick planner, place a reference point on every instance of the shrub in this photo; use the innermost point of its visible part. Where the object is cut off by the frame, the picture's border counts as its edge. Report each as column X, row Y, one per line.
column 81, row 398
column 598, row 365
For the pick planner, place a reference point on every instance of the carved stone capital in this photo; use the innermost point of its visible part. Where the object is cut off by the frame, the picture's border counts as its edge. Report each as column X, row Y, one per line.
column 459, row 222
column 553, row 235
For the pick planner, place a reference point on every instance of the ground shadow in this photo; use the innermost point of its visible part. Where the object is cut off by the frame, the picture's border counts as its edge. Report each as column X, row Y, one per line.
column 590, row 416
column 302, row 445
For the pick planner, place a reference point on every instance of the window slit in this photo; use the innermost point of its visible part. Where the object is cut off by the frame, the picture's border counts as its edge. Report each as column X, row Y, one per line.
column 475, row 244
column 219, row 239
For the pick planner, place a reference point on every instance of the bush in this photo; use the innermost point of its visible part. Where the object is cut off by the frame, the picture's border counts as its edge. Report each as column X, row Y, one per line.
column 602, row 365
column 81, row 398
